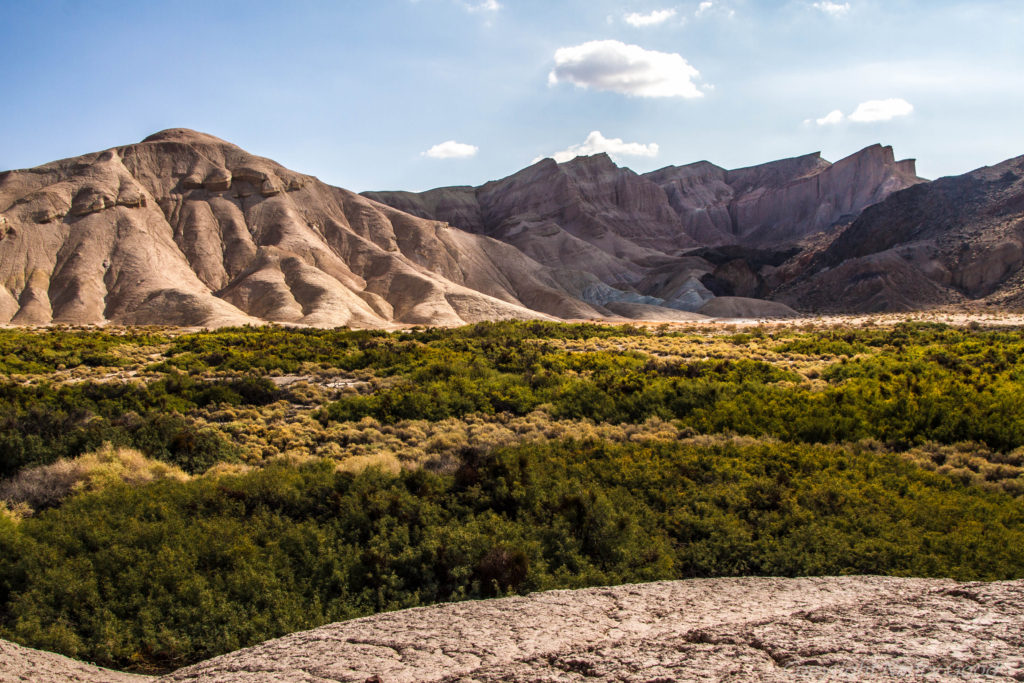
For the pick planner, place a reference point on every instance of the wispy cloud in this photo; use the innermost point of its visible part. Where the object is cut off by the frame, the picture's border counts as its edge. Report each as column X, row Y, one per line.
column 627, row 69
column 451, row 150
column 482, row 6
column 835, row 9
column 597, row 143
column 709, row 6
column 650, row 19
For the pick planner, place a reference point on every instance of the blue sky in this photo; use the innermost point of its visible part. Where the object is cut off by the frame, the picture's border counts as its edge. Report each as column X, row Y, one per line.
column 358, row 93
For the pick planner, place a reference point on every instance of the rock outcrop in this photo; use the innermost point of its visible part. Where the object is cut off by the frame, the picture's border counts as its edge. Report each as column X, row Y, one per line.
column 853, row 628
column 863, row 628
column 781, row 202
column 24, row 665
column 626, row 215
column 953, row 240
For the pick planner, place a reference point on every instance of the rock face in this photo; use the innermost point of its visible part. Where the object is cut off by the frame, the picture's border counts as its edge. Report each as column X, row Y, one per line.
column 782, row 201
column 952, row 240
column 639, row 232
column 626, row 215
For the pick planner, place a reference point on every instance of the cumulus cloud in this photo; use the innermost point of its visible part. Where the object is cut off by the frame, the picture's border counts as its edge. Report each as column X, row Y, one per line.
column 881, row 110
column 703, row 7
column 451, row 150
column 831, row 118
column 835, row 9
column 597, row 143
column 868, row 112
column 653, row 18
column 627, row 69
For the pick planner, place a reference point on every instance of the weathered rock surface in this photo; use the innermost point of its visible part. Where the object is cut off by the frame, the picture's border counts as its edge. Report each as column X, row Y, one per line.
column 781, row 201
column 715, row 629
column 626, row 215
column 25, row 665
column 862, row 628
column 743, row 307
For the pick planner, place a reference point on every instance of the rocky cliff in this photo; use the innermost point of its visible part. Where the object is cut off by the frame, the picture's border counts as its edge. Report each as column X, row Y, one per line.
column 670, row 209
column 744, row 629
column 781, row 202
column 953, row 240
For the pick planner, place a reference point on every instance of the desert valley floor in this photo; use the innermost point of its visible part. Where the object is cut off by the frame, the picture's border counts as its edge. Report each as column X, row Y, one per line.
column 173, row 495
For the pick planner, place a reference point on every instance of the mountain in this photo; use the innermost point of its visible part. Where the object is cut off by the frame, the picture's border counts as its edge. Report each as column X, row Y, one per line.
column 681, row 235
column 953, row 240
column 186, row 229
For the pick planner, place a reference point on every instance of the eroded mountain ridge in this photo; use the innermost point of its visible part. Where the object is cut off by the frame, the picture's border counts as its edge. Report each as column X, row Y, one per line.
column 186, row 229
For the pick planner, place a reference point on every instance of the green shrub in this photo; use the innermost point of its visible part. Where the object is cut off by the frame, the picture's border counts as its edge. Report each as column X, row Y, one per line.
column 162, row 575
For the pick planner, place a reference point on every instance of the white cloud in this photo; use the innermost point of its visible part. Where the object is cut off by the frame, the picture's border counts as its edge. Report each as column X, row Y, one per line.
column 831, row 118
column 451, row 150
column 483, row 6
column 627, row 69
column 835, row 9
column 712, row 6
column 597, row 143
column 656, row 17
column 881, row 110
column 868, row 112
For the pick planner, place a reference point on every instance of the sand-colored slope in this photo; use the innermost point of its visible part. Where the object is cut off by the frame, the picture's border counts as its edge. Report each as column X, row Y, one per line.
column 184, row 228
column 638, row 232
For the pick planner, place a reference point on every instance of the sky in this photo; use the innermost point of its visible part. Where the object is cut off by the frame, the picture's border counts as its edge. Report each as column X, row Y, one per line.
column 415, row 94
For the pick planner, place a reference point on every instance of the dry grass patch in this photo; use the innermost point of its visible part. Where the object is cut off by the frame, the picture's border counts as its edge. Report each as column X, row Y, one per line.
column 969, row 463
column 47, row 485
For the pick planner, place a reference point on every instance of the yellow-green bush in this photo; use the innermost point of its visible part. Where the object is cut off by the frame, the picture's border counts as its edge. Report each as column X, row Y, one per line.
column 47, row 485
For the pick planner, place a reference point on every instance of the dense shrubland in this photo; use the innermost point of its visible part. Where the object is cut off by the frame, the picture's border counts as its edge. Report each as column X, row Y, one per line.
column 162, row 575
column 169, row 496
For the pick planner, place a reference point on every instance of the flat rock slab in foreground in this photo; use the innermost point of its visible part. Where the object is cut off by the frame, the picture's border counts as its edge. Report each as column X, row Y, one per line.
column 749, row 629
column 19, row 663
column 842, row 629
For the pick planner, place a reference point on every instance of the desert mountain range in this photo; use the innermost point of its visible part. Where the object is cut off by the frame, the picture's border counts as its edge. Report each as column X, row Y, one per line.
column 186, row 229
